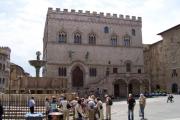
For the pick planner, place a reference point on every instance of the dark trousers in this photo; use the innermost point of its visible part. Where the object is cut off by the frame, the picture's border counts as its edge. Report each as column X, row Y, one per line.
column 130, row 114
column 142, row 111
column 32, row 109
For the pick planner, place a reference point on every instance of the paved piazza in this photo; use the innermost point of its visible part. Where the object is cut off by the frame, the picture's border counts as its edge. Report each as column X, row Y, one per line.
column 156, row 109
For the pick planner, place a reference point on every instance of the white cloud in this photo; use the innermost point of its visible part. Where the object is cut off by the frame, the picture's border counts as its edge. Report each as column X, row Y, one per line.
column 23, row 34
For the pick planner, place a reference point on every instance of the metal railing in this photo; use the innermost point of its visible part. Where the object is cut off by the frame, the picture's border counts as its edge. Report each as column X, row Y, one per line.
column 16, row 106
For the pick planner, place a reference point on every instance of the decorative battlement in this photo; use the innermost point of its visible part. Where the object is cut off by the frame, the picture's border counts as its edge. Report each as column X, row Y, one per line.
column 94, row 13
column 5, row 50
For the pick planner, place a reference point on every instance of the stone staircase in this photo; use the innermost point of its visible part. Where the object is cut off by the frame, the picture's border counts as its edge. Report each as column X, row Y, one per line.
column 18, row 112
column 100, row 83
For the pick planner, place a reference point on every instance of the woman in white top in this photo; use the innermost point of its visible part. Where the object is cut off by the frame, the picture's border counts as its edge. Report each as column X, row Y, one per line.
column 65, row 110
column 99, row 107
column 78, row 111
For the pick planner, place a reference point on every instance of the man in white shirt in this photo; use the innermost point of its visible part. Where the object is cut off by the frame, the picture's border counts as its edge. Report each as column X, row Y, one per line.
column 31, row 105
column 65, row 110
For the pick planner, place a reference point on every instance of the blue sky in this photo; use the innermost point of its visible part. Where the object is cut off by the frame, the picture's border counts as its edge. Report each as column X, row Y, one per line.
column 22, row 21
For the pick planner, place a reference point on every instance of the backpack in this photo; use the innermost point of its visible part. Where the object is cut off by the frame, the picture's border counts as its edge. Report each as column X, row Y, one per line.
column 68, row 106
column 101, row 107
column 110, row 102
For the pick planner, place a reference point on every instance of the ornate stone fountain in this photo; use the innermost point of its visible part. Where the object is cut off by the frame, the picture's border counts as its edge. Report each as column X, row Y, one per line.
column 37, row 64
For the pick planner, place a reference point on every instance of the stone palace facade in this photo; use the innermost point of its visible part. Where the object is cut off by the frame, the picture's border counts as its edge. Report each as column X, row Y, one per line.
column 95, row 51
column 162, row 61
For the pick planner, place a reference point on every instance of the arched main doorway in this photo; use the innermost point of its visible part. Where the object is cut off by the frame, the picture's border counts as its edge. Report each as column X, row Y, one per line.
column 120, row 88
column 134, row 87
column 77, row 77
column 174, row 88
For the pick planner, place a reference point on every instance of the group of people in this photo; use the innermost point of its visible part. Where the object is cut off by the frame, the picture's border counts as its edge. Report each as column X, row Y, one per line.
column 131, row 104
column 90, row 108
column 82, row 108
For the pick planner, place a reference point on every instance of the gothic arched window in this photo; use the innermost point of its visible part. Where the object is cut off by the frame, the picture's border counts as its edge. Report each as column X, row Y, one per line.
column 127, row 40
column 106, row 29
column 128, row 67
column 133, row 32
column 92, row 39
column 62, row 71
column 114, row 40
column 77, row 38
column 62, row 37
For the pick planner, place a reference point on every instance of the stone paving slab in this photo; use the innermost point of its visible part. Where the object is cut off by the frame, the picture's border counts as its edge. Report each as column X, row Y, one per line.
column 156, row 109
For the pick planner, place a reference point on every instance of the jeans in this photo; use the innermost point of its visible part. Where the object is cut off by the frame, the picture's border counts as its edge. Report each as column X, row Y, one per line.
column 142, row 110
column 130, row 114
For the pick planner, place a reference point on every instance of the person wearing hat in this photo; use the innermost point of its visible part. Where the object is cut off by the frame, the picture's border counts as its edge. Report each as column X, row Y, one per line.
column 142, row 104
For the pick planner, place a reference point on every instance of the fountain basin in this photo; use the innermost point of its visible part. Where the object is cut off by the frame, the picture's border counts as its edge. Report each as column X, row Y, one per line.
column 37, row 63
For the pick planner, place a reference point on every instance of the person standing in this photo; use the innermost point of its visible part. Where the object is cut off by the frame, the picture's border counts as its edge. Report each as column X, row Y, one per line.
column 142, row 104
column 131, row 103
column 31, row 105
column 1, row 111
column 64, row 103
column 79, row 115
column 99, row 107
column 47, row 106
column 54, row 105
column 108, row 107
column 168, row 98
column 91, row 107
column 171, row 98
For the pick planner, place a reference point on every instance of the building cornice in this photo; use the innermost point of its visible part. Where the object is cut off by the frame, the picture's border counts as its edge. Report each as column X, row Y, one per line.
column 99, row 45
column 69, row 63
